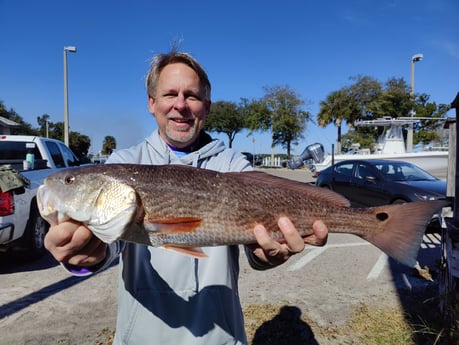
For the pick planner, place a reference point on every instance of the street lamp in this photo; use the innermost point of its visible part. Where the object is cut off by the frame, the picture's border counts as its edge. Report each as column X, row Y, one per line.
column 71, row 49
column 409, row 138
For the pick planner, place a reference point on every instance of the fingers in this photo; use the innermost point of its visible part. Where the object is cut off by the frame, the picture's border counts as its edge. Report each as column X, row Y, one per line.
column 71, row 242
column 274, row 253
column 319, row 236
column 292, row 237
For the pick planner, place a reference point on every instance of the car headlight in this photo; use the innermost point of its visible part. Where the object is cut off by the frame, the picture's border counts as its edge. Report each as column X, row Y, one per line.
column 425, row 196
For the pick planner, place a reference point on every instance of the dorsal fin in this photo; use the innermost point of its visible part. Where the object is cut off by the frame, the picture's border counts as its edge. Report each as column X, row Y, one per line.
column 308, row 190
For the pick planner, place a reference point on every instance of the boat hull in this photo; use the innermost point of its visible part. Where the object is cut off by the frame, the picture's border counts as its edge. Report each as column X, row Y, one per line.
column 428, row 160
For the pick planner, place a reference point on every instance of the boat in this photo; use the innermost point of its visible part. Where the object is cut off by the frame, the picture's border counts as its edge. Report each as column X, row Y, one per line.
column 390, row 145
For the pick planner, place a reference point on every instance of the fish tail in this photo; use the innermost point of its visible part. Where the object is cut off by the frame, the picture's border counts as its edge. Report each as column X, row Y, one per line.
column 400, row 228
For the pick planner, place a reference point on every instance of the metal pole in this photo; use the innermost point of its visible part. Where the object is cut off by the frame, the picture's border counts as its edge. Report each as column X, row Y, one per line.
column 71, row 49
column 66, row 102
column 409, row 136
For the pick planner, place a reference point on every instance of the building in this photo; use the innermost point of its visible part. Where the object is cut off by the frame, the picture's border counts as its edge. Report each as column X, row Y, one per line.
column 6, row 125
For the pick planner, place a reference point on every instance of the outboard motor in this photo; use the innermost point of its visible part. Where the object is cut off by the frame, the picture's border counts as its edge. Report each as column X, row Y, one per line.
column 313, row 151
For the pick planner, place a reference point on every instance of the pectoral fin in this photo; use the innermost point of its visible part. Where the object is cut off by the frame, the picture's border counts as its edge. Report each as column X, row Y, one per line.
column 190, row 251
column 173, row 225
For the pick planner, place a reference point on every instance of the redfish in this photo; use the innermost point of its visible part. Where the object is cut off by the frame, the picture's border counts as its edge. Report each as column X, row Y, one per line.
column 185, row 208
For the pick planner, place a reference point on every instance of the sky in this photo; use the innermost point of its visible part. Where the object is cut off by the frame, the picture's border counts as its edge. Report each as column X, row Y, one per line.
column 313, row 47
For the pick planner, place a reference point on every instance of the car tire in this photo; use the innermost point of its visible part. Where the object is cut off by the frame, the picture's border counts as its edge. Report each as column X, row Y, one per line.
column 34, row 236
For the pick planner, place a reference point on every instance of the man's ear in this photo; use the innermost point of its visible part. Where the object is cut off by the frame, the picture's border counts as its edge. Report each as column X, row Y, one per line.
column 151, row 104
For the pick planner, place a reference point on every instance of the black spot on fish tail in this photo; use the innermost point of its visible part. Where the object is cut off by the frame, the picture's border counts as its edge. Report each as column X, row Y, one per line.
column 382, row 216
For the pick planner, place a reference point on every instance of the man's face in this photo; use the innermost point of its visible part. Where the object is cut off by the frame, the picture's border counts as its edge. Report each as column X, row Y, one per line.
column 179, row 105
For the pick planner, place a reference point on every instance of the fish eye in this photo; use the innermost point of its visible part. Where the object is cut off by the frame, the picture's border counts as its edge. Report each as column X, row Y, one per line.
column 69, row 179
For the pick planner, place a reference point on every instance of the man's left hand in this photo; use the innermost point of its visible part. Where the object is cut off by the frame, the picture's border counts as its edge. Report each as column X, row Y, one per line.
column 275, row 253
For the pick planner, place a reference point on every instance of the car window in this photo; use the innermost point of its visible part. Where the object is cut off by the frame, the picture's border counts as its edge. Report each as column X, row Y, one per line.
column 389, row 171
column 55, row 154
column 69, row 156
column 17, row 150
column 364, row 171
column 344, row 169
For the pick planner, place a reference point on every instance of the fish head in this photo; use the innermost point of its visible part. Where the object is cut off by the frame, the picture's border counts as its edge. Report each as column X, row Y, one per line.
column 101, row 202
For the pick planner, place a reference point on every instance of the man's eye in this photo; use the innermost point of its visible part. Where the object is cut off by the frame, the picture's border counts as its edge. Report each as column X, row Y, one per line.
column 192, row 97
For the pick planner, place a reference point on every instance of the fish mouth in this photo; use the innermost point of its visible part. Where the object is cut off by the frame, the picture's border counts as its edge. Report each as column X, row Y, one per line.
column 45, row 202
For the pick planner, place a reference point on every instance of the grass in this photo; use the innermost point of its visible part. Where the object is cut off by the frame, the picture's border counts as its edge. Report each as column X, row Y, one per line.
column 415, row 321
column 268, row 324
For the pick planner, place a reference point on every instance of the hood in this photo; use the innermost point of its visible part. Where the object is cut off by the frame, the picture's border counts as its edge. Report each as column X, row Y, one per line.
column 432, row 186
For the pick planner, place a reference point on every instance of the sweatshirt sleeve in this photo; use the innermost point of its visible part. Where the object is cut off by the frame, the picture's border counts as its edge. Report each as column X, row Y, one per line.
column 112, row 253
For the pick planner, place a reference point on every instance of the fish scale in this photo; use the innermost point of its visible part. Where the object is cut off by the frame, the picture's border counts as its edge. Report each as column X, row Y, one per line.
column 183, row 208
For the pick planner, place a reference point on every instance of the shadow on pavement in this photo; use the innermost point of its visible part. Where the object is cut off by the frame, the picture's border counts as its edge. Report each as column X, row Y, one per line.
column 286, row 328
column 13, row 263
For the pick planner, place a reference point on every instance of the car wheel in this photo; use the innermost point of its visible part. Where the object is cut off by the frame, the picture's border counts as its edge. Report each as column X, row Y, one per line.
column 34, row 236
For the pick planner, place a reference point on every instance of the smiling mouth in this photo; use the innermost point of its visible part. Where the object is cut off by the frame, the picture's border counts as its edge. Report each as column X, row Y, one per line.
column 183, row 121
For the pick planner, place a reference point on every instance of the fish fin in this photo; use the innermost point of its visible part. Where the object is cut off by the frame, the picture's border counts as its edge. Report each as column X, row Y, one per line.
column 172, row 225
column 309, row 190
column 401, row 227
column 194, row 252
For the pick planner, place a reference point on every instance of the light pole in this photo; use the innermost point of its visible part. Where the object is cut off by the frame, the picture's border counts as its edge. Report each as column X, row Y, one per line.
column 409, row 138
column 71, row 49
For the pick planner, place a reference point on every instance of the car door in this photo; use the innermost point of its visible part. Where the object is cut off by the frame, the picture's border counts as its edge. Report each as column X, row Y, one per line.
column 368, row 186
column 341, row 179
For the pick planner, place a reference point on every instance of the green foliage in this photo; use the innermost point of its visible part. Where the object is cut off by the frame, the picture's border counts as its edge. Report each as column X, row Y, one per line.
column 287, row 119
column 109, row 145
column 257, row 114
column 225, row 117
column 369, row 99
column 79, row 144
column 365, row 136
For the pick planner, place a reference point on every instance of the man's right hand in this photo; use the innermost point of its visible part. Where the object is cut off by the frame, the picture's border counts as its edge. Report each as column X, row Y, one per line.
column 72, row 243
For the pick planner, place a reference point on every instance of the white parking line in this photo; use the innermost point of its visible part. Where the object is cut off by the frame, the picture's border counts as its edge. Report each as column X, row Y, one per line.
column 378, row 267
column 307, row 258
column 429, row 241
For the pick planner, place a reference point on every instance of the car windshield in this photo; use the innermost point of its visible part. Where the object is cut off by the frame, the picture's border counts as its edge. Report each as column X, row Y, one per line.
column 401, row 171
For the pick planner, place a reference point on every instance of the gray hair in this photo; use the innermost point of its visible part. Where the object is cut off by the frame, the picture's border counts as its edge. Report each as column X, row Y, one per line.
column 162, row 60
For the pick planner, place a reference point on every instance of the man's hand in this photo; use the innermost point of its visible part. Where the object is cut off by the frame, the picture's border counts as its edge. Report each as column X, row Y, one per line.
column 274, row 253
column 72, row 243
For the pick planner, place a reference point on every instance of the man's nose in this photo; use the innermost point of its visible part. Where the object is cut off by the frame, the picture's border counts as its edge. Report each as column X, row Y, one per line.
column 180, row 102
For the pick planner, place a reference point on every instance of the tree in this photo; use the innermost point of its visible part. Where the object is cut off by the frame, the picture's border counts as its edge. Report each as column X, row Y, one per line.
column 286, row 118
column 258, row 116
column 225, row 117
column 363, row 93
column 44, row 123
column 79, row 144
column 394, row 100
column 109, row 145
column 427, row 131
column 338, row 107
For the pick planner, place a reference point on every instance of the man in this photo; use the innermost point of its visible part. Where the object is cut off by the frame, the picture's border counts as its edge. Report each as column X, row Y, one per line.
column 164, row 297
